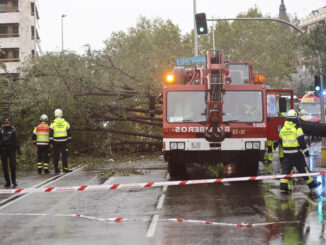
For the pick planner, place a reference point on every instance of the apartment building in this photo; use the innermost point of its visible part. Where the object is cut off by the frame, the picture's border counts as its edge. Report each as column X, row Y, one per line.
column 316, row 17
column 18, row 29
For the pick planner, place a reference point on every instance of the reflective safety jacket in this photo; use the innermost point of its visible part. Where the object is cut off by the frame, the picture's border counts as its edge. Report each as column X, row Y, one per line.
column 292, row 139
column 60, row 131
column 41, row 134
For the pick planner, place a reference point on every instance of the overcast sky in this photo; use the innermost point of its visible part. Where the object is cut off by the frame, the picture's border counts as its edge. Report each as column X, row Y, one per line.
column 93, row 21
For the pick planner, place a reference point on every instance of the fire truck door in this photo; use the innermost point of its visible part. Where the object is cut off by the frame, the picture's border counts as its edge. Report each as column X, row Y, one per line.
column 278, row 102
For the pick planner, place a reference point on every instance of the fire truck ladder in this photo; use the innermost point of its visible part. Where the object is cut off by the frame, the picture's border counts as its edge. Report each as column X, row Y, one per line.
column 215, row 65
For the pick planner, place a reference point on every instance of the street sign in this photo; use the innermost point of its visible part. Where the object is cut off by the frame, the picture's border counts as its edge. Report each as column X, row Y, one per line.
column 196, row 60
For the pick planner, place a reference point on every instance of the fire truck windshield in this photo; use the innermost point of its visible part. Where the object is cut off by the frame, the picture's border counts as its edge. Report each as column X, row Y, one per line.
column 186, row 106
column 239, row 73
column 243, row 106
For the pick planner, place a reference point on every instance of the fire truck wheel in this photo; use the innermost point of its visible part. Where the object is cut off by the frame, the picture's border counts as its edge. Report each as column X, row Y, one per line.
column 176, row 169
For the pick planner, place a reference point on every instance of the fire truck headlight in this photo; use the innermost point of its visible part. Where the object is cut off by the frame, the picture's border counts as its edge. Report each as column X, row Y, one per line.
column 248, row 145
column 181, row 145
column 256, row 145
column 173, row 145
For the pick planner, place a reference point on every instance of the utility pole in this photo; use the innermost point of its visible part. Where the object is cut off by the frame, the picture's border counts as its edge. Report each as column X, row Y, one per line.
column 195, row 31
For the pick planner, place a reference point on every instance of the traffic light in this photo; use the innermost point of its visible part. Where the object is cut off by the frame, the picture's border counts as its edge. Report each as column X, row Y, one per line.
column 317, row 83
column 201, row 23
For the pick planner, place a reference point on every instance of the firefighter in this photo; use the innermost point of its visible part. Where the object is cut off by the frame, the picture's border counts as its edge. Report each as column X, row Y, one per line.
column 9, row 145
column 294, row 146
column 268, row 157
column 41, row 141
column 60, row 136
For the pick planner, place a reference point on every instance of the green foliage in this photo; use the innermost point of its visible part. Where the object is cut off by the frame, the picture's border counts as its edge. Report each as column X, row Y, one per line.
column 315, row 43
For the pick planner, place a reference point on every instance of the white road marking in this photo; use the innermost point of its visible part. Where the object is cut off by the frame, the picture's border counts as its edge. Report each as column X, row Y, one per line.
column 109, row 180
column 38, row 185
column 152, row 226
column 160, row 202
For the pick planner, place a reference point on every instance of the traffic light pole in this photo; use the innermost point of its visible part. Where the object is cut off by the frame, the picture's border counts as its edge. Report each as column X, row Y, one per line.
column 195, row 31
column 322, row 109
column 322, row 105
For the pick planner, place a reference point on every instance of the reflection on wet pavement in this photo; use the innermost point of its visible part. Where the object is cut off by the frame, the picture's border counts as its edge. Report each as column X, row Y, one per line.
column 250, row 202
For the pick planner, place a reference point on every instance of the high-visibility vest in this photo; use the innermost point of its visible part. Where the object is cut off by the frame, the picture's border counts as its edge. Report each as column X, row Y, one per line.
column 60, row 129
column 42, row 134
column 289, row 135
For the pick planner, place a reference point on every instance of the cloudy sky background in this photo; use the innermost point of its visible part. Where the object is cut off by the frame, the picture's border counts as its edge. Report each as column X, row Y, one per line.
column 91, row 22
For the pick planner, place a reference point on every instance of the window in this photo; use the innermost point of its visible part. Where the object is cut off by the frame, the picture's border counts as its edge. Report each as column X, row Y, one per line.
column 9, row 55
column 186, row 106
column 243, row 106
column 15, row 29
column 239, row 73
column 3, row 30
column 3, row 54
column 15, row 4
column 3, row 5
column 15, row 53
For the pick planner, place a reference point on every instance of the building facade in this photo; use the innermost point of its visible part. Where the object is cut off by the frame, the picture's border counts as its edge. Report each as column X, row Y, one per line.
column 317, row 17
column 18, row 29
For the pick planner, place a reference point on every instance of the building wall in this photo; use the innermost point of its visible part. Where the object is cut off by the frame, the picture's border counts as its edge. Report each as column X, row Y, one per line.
column 316, row 17
column 24, row 41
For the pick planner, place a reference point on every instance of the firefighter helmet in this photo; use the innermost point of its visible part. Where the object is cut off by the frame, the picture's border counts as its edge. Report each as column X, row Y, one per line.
column 44, row 118
column 291, row 114
column 58, row 113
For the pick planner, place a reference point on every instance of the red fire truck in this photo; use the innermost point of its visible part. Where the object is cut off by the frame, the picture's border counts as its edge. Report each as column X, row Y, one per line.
column 217, row 111
column 309, row 107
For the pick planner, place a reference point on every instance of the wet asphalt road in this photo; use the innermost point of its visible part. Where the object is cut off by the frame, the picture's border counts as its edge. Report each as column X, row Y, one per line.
column 249, row 202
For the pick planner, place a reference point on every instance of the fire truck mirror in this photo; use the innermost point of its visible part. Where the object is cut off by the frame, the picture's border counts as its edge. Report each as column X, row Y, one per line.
column 282, row 104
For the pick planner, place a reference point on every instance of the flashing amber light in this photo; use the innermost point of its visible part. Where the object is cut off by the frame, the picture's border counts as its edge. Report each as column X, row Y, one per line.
column 170, row 79
column 259, row 79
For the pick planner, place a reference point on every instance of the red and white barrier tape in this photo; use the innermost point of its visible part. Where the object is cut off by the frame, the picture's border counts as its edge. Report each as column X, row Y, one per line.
column 173, row 220
column 153, row 184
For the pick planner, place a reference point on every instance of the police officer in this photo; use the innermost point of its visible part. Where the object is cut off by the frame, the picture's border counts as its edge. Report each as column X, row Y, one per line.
column 294, row 146
column 60, row 136
column 9, row 145
column 41, row 140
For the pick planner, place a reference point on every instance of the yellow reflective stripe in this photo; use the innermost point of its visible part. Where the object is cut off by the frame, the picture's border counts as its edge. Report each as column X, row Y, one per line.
column 290, row 151
column 284, row 181
column 46, row 164
column 289, row 141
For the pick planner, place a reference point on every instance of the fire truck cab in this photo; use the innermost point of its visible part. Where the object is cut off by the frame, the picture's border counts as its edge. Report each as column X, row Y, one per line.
column 216, row 112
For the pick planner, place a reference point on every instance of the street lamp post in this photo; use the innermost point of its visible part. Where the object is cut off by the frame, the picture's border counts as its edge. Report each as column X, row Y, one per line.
column 62, row 16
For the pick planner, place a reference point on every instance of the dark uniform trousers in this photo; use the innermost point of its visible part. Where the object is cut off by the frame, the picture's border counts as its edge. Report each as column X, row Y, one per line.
column 43, row 154
column 57, row 149
column 8, row 152
column 298, row 161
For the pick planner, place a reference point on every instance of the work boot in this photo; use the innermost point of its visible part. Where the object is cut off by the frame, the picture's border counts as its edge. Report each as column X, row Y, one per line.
column 7, row 185
column 57, row 171
column 39, row 170
column 14, row 185
column 67, row 170
column 46, row 171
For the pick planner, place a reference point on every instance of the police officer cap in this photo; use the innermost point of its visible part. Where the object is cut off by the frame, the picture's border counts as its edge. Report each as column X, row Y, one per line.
column 7, row 120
